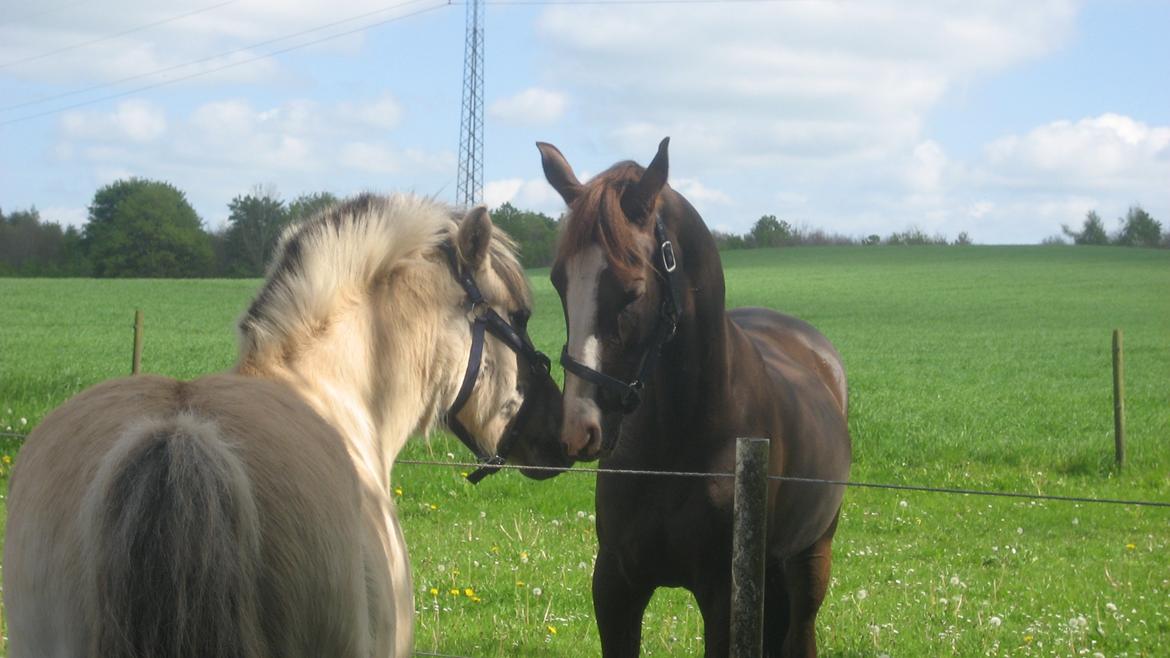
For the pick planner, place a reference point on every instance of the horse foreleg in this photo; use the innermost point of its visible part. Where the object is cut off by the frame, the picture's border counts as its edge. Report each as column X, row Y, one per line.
column 619, row 605
column 776, row 611
column 806, row 576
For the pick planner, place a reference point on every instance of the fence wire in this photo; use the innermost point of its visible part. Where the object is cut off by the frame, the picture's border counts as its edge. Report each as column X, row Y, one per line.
column 918, row 488
column 789, row 478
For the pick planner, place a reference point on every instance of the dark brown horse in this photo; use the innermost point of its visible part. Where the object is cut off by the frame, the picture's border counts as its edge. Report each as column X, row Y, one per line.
column 660, row 376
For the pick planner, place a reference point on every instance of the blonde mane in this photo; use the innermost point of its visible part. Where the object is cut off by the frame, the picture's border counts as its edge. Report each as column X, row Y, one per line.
column 336, row 256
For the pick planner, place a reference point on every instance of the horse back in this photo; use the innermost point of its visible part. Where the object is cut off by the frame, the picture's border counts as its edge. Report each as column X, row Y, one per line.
column 306, row 496
column 809, row 398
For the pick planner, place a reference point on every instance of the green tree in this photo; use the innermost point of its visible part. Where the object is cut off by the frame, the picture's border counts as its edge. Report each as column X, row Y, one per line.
column 1139, row 229
column 32, row 247
column 307, row 205
column 535, row 233
column 1093, row 231
column 771, row 232
column 254, row 225
column 145, row 228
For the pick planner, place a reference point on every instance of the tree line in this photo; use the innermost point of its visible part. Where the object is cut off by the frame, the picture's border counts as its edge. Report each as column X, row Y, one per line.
column 1136, row 229
column 144, row 228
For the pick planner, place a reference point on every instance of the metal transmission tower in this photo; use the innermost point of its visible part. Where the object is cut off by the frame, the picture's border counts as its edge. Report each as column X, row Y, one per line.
column 469, row 191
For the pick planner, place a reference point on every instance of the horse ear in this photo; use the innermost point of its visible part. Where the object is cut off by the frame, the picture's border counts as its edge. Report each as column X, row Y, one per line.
column 558, row 172
column 638, row 201
column 474, row 239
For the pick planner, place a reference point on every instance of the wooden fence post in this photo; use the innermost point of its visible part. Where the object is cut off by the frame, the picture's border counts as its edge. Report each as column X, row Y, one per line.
column 750, row 530
column 1118, row 399
column 136, row 362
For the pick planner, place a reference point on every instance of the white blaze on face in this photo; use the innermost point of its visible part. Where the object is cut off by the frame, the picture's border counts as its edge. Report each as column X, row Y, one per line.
column 582, row 276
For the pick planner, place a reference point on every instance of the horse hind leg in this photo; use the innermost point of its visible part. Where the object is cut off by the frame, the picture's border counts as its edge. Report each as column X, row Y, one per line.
column 806, row 576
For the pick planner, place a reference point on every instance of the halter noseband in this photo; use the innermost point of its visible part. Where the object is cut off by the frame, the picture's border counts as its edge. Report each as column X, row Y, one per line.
column 487, row 319
column 623, row 395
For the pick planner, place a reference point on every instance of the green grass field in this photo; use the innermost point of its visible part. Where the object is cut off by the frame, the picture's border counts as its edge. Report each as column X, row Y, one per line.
column 982, row 367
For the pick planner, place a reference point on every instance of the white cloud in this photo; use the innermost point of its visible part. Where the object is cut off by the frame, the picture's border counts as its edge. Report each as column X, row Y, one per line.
column 1099, row 152
column 698, row 193
column 134, row 120
column 532, row 105
column 372, row 158
column 528, row 194
column 65, row 216
column 72, row 46
column 384, row 113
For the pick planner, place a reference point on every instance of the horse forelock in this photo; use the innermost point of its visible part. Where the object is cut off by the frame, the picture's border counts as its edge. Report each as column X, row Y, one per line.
column 596, row 217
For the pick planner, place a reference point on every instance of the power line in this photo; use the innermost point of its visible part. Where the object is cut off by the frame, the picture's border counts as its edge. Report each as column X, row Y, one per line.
column 259, row 44
column 139, row 28
column 250, row 60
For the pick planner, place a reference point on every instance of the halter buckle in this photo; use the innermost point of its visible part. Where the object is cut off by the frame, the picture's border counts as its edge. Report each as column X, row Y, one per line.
column 668, row 261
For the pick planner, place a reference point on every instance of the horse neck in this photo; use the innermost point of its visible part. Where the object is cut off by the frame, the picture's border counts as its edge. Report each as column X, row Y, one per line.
column 361, row 381
column 690, row 381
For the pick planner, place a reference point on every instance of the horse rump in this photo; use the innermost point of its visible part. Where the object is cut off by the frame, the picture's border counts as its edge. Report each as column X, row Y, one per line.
column 172, row 538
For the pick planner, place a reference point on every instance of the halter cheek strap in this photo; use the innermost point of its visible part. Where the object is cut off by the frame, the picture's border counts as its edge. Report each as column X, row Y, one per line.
column 488, row 320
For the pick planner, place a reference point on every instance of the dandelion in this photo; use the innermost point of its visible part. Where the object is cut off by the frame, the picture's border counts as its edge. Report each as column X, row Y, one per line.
column 434, row 507
column 1130, row 547
column 519, row 583
column 862, row 594
column 23, row 421
column 1028, row 639
column 524, row 557
column 475, row 599
column 552, row 630
column 536, row 591
column 903, row 504
column 469, row 593
column 592, row 518
column 7, row 460
column 995, row 622
column 581, row 514
column 496, row 550
column 397, row 491
column 434, row 591
column 1020, row 531
column 955, row 582
column 1111, row 607
column 454, row 591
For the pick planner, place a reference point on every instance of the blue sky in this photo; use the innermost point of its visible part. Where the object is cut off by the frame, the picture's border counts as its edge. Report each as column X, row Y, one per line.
column 1001, row 119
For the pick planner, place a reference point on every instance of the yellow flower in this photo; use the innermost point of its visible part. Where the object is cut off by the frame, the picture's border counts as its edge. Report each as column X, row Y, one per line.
column 434, row 506
column 1130, row 546
column 7, row 459
column 397, row 491
column 463, row 473
column 495, row 549
column 434, row 591
column 1027, row 638
column 552, row 630
column 454, row 591
column 519, row 583
column 475, row 599
column 468, row 592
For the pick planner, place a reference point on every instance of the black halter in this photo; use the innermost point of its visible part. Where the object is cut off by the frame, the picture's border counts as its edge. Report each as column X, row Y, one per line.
column 619, row 394
column 516, row 338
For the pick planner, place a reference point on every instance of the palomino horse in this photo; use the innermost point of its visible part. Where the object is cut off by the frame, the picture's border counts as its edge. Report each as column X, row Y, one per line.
column 248, row 514
column 660, row 377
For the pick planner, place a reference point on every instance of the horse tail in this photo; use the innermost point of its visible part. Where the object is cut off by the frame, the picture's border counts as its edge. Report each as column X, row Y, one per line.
column 172, row 545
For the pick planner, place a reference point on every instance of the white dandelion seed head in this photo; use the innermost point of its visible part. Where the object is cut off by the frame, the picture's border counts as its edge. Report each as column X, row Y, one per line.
column 995, row 622
column 862, row 594
column 903, row 504
column 536, row 591
column 955, row 581
column 1111, row 607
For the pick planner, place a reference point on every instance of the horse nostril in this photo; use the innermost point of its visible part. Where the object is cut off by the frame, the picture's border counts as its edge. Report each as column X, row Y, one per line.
column 592, row 435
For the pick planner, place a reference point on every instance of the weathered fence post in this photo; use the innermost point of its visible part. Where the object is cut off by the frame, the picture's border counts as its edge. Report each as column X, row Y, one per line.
column 1118, row 399
column 136, row 362
column 747, row 552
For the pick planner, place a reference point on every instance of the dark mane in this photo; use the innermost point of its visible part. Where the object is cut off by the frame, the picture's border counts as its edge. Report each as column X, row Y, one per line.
column 597, row 217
